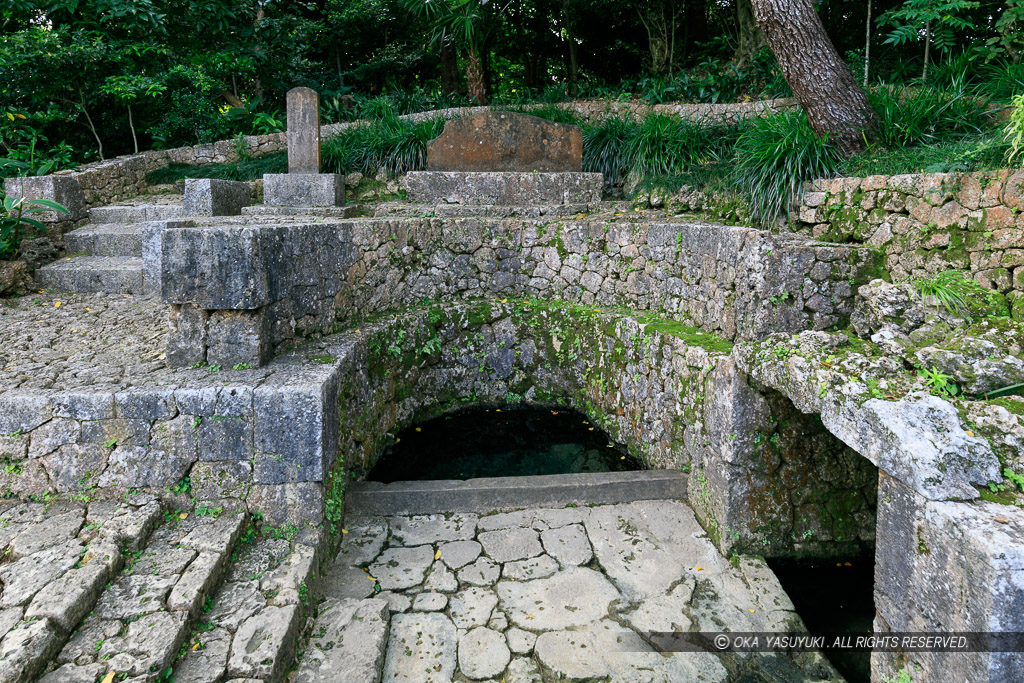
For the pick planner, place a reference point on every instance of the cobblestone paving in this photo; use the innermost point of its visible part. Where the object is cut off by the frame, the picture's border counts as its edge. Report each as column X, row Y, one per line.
column 68, row 341
column 541, row 595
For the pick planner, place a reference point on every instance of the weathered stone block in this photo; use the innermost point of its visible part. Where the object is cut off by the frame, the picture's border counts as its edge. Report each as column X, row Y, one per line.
column 186, row 342
column 211, row 197
column 503, row 188
column 216, row 268
column 958, row 566
column 304, row 189
column 296, row 427
column 238, row 337
column 303, row 130
column 64, row 189
column 506, row 141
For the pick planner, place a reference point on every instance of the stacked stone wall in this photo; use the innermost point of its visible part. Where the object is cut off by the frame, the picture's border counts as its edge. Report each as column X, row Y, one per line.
column 737, row 282
column 924, row 224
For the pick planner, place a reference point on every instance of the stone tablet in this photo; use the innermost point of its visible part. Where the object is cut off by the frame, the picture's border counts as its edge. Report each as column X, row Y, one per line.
column 506, row 141
column 303, row 131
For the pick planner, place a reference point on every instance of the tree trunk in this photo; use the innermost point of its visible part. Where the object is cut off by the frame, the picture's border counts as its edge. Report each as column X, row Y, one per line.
column 449, row 70
column 927, row 50
column 867, row 47
column 823, row 84
column 749, row 37
column 131, row 124
column 475, row 78
column 92, row 127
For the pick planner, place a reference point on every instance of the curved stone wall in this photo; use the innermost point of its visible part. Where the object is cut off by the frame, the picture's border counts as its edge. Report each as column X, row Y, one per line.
column 763, row 477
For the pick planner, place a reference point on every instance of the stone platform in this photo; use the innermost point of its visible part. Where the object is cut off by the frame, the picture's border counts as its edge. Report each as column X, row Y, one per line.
column 564, row 593
column 503, row 189
column 481, row 495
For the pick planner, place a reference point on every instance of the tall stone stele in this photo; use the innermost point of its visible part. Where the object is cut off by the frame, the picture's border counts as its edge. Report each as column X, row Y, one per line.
column 304, row 185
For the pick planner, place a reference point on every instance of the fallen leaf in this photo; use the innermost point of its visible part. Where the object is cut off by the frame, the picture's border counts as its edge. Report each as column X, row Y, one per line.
column 419, row 429
column 56, row 304
column 109, row 677
column 196, row 647
column 344, row 531
column 370, row 577
column 697, row 569
column 497, row 410
column 1002, row 520
column 437, row 555
column 751, row 611
column 183, row 515
column 969, row 432
column 847, row 564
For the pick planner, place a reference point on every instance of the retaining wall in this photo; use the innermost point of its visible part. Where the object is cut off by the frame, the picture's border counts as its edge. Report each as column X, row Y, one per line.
column 927, row 223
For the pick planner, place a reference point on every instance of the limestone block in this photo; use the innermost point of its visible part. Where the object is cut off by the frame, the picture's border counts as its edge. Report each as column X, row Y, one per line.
column 303, row 130
column 503, row 188
column 211, row 197
column 64, row 189
column 506, row 141
column 304, row 189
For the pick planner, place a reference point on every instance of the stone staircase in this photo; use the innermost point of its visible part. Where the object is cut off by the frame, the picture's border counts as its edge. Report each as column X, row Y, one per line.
column 132, row 588
column 106, row 254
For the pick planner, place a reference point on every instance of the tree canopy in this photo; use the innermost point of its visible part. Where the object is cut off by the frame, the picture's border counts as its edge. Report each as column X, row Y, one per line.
column 83, row 79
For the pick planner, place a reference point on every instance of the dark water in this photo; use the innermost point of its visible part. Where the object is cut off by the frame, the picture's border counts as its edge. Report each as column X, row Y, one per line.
column 501, row 443
column 834, row 599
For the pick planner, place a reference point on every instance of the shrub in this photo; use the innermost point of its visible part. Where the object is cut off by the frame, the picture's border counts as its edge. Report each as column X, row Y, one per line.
column 15, row 218
column 604, row 148
column 774, row 157
column 665, row 145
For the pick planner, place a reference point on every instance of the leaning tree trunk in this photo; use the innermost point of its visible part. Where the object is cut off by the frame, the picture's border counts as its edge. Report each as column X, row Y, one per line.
column 823, row 84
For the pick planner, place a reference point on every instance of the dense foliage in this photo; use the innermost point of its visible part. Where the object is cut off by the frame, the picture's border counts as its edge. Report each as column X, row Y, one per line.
column 81, row 80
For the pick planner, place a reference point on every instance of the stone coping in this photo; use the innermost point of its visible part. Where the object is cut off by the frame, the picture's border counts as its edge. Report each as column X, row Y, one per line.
column 506, row 493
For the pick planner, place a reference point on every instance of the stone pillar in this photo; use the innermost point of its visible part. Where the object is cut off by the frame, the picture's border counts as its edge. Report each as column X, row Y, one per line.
column 303, row 131
column 947, row 567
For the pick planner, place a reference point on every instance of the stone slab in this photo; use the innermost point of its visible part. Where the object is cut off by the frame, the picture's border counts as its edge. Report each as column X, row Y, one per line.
column 304, row 189
column 349, row 642
column 213, row 197
column 65, row 190
column 485, row 495
column 502, row 189
column 303, row 106
column 506, row 141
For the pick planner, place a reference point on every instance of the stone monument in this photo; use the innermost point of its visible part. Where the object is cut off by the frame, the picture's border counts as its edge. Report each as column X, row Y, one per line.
column 304, row 185
column 505, row 158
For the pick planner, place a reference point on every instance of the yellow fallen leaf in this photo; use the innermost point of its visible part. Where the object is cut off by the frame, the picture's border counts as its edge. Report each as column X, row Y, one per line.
column 751, row 611
column 497, row 410
column 196, row 647
column 697, row 569
column 419, row 429
column 109, row 677
column 437, row 555
column 397, row 440
column 344, row 531
column 183, row 515
column 590, row 429
column 622, row 458
column 371, row 578
column 969, row 433
column 56, row 304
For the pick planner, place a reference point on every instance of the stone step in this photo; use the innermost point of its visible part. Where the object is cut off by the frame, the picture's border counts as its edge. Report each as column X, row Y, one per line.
column 107, row 274
column 146, row 613
column 501, row 493
column 61, row 557
column 349, row 641
column 135, row 213
column 105, row 239
column 251, row 627
column 409, row 210
column 347, row 211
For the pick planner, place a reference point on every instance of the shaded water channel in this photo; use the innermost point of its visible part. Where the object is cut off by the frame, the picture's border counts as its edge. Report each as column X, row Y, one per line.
column 834, row 597
column 506, row 442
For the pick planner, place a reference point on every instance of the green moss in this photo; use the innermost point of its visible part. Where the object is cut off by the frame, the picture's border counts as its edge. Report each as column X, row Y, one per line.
column 691, row 335
column 1000, row 497
column 323, row 360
